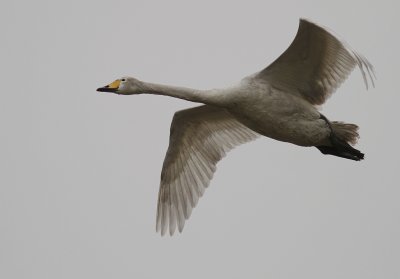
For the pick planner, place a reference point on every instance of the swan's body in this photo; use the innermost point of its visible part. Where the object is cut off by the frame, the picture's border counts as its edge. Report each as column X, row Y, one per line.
column 278, row 102
column 272, row 113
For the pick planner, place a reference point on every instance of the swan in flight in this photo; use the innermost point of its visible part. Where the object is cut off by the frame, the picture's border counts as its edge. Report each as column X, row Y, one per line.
column 280, row 102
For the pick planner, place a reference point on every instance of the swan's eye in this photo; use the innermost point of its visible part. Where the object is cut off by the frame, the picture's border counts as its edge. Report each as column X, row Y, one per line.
column 123, row 79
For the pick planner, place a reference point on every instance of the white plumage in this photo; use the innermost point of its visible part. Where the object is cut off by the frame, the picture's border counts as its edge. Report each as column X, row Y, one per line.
column 199, row 138
column 278, row 102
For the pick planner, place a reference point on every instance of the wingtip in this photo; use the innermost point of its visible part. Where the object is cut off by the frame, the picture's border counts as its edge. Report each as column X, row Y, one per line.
column 367, row 70
column 307, row 20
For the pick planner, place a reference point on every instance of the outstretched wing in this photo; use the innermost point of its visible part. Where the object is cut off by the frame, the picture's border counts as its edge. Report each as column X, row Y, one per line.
column 199, row 138
column 315, row 65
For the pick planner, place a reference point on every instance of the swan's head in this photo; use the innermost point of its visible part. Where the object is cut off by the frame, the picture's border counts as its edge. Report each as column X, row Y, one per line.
column 124, row 86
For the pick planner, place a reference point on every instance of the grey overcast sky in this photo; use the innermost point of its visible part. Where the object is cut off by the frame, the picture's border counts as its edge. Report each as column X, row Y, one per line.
column 81, row 169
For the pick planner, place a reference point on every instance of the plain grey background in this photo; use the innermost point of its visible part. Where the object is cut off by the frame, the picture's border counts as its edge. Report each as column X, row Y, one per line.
column 80, row 169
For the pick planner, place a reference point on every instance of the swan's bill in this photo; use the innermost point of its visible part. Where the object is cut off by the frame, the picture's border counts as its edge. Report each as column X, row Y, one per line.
column 112, row 87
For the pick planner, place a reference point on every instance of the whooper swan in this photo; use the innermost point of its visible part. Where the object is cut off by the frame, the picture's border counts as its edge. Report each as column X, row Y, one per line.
column 279, row 102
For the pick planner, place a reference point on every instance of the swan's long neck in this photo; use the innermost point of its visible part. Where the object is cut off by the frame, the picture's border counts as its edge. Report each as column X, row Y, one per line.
column 211, row 97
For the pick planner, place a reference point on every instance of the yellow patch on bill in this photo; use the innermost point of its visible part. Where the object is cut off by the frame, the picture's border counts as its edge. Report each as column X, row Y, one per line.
column 114, row 84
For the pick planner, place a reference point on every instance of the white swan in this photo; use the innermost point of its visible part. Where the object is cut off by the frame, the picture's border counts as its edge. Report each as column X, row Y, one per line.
column 278, row 102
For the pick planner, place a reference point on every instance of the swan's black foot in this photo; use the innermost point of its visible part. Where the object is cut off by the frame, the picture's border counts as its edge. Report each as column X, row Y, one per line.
column 342, row 149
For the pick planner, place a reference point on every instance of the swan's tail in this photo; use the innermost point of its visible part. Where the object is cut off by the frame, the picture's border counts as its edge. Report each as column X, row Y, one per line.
column 346, row 132
column 342, row 136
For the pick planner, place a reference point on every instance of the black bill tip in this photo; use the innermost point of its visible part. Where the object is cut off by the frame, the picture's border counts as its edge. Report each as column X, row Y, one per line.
column 106, row 89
